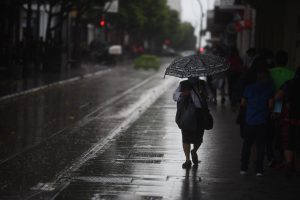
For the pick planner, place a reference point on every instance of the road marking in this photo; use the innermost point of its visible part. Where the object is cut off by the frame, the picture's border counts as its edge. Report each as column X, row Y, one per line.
column 64, row 178
column 84, row 120
column 6, row 97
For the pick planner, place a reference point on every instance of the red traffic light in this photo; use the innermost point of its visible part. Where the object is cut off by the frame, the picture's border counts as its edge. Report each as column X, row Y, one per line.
column 102, row 23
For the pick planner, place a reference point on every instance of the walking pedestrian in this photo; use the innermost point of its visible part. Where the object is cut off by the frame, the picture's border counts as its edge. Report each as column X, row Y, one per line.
column 249, row 57
column 280, row 74
column 236, row 69
column 247, row 78
column 258, row 99
column 195, row 89
column 216, row 82
column 290, row 96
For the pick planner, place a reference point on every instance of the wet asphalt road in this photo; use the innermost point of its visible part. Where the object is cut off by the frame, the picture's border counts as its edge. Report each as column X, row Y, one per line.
column 144, row 162
column 98, row 139
column 44, row 133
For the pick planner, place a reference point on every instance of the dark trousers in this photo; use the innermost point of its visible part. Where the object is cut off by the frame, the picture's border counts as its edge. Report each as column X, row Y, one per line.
column 276, row 129
column 257, row 134
column 270, row 142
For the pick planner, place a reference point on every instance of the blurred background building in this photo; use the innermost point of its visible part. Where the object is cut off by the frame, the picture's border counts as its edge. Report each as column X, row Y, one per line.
column 53, row 36
column 261, row 24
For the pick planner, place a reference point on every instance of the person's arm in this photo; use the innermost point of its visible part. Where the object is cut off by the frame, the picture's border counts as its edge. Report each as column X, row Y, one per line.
column 279, row 95
column 243, row 102
column 281, row 92
column 176, row 94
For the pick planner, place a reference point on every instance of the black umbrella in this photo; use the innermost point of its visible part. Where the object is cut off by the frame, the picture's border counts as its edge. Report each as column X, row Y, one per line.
column 197, row 65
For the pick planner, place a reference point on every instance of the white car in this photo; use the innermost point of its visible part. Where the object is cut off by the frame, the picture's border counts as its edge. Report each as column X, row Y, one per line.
column 187, row 53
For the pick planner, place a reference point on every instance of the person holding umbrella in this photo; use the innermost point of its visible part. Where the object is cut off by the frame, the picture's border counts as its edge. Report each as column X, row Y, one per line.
column 195, row 89
column 192, row 93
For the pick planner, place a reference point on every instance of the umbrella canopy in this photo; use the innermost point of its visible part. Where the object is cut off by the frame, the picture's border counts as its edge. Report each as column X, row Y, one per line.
column 197, row 65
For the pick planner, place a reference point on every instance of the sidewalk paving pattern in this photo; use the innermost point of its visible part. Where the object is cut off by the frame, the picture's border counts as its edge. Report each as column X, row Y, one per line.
column 142, row 160
column 45, row 140
column 145, row 161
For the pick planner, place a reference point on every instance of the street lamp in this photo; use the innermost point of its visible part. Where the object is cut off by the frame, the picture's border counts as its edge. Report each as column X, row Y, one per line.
column 201, row 22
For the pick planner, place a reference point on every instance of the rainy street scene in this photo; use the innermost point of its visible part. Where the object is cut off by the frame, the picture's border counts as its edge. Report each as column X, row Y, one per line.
column 149, row 100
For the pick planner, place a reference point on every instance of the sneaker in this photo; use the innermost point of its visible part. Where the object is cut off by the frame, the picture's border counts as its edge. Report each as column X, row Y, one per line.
column 259, row 174
column 243, row 172
column 194, row 157
column 187, row 164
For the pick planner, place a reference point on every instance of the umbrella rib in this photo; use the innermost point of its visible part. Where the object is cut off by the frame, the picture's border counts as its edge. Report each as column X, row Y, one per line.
column 188, row 62
column 196, row 65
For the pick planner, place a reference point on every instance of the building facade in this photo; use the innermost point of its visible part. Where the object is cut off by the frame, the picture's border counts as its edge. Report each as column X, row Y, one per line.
column 272, row 24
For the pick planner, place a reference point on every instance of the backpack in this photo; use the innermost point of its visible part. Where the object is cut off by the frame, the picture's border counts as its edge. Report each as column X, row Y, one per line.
column 186, row 116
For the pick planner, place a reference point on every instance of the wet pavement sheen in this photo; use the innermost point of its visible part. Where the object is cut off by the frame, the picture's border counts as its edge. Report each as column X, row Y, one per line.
column 26, row 121
column 145, row 161
column 119, row 148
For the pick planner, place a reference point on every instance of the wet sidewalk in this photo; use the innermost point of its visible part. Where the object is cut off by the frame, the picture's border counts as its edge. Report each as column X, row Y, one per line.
column 103, row 139
column 36, row 81
column 144, row 163
column 47, row 133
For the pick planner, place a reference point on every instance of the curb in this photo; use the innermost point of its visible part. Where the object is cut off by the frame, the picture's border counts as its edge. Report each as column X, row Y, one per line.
column 26, row 92
column 62, row 180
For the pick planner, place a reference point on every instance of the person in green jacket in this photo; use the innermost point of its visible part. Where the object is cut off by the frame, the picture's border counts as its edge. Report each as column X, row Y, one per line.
column 281, row 73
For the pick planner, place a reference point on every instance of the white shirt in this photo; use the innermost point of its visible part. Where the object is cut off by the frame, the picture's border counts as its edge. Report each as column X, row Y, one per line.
column 195, row 98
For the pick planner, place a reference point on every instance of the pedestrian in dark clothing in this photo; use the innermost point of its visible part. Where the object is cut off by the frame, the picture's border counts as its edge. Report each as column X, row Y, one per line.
column 268, row 55
column 289, row 94
column 249, row 57
column 247, row 78
column 280, row 74
column 258, row 99
column 216, row 82
column 194, row 89
column 236, row 69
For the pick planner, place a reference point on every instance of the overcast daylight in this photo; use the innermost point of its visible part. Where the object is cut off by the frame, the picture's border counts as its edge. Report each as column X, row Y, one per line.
column 149, row 100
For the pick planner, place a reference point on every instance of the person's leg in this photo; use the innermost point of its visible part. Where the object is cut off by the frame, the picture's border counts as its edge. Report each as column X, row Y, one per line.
column 212, row 91
column 242, row 129
column 232, row 81
column 289, row 151
column 277, row 140
column 186, row 149
column 196, row 147
column 246, row 149
column 198, row 139
column 214, row 100
column 222, row 90
column 289, row 157
column 269, row 145
column 186, row 140
column 261, row 132
column 194, row 153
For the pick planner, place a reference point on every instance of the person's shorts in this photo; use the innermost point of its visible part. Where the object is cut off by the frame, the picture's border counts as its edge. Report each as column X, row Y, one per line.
column 192, row 137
